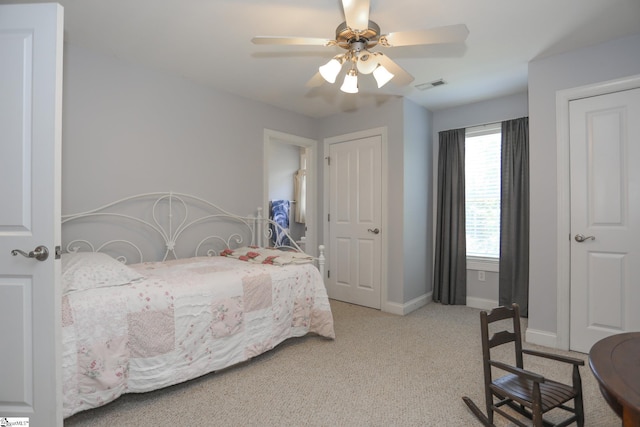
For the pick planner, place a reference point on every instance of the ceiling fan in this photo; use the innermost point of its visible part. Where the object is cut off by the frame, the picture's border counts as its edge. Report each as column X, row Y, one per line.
column 357, row 35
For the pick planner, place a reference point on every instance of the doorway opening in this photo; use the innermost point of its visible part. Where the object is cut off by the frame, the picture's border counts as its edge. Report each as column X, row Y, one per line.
column 290, row 160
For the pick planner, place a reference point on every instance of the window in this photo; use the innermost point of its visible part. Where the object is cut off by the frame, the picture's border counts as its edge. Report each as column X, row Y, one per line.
column 482, row 191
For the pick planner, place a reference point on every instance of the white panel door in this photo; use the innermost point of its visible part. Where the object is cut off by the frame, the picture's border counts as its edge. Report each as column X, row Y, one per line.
column 355, row 221
column 30, row 134
column 605, row 217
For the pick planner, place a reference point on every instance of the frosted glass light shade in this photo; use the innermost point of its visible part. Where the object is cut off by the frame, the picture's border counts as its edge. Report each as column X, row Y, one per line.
column 367, row 63
column 350, row 84
column 330, row 70
column 382, row 76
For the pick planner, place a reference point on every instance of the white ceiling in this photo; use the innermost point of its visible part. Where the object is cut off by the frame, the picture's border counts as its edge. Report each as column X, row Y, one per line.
column 209, row 42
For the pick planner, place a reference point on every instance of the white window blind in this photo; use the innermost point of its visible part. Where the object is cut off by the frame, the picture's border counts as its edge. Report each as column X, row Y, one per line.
column 482, row 190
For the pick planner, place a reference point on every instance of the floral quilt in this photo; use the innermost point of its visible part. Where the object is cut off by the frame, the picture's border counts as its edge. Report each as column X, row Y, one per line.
column 183, row 319
column 267, row 256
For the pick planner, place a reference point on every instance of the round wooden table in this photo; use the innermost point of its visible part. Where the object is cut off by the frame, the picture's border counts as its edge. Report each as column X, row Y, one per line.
column 615, row 362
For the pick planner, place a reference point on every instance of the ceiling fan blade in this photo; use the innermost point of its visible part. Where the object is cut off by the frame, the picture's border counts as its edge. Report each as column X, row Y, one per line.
column 356, row 13
column 401, row 77
column 449, row 34
column 315, row 81
column 302, row 41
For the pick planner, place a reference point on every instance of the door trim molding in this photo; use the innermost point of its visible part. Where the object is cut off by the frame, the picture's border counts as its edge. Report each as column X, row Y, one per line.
column 382, row 132
column 563, row 244
column 272, row 137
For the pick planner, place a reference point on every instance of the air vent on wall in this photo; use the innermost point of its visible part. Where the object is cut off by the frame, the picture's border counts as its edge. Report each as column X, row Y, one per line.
column 425, row 86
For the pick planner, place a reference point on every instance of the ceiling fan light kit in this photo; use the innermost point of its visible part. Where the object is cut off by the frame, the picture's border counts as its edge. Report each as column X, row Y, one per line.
column 357, row 35
column 361, row 59
column 330, row 70
column 367, row 62
column 350, row 84
column 382, row 76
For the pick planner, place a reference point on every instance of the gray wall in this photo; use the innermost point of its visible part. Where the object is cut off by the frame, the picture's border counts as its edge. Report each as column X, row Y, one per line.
column 388, row 114
column 607, row 61
column 479, row 113
column 129, row 129
column 408, row 146
column 417, row 211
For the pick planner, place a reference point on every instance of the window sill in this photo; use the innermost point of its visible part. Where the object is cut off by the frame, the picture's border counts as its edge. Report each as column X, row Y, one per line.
column 483, row 264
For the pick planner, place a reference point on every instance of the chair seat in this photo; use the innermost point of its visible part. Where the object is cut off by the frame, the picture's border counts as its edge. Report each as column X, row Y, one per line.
column 515, row 389
column 553, row 393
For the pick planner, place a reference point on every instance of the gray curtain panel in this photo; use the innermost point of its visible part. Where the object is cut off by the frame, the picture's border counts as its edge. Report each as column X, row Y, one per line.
column 514, row 215
column 450, row 269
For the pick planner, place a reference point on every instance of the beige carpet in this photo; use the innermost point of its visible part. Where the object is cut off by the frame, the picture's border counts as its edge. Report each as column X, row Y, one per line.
column 382, row 370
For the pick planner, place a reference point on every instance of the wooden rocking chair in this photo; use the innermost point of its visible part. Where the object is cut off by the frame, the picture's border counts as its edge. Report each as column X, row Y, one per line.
column 527, row 393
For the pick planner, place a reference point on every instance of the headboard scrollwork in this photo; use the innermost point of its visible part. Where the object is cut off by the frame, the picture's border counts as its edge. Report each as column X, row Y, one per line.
column 166, row 225
column 173, row 221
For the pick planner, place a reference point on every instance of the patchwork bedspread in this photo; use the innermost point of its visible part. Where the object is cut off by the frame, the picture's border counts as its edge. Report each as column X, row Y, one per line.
column 184, row 319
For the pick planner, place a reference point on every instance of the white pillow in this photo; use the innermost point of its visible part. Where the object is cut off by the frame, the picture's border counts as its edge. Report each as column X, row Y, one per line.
column 89, row 270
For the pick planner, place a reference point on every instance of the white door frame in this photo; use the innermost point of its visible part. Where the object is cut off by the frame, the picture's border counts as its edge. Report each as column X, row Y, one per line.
column 382, row 132
column 563, row 98
column 272, row 137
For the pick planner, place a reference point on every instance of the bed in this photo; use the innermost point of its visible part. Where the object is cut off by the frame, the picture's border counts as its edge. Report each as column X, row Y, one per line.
column 169, row 287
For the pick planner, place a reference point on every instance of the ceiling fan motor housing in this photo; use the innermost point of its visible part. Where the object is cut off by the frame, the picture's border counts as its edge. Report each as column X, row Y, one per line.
column 346, row 36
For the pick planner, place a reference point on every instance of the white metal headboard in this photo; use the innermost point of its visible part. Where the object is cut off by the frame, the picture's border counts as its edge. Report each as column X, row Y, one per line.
column 164, row 219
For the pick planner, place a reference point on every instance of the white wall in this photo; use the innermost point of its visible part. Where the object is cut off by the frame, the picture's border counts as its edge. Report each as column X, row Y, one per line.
column 129, row 129
column 480, row 294
column 607, row 61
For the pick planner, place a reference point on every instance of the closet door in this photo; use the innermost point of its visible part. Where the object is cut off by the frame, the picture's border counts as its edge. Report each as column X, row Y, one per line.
column 605, row 217
column 355, row 218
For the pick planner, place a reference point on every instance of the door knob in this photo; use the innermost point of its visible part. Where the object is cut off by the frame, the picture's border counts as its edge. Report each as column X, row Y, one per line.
column 581, row 238
column 374, row 231
column 41, row 253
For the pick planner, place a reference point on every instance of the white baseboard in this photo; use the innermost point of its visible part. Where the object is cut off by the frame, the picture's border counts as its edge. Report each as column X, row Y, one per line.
column 533, row 336
column 544, row 338
column 408, row 307
column 481, row 303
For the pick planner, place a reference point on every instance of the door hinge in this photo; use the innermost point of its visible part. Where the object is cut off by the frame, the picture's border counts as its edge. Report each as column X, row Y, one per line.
column 328, row 217
column 328, row 160
column 328, row 274
column 58, row 252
